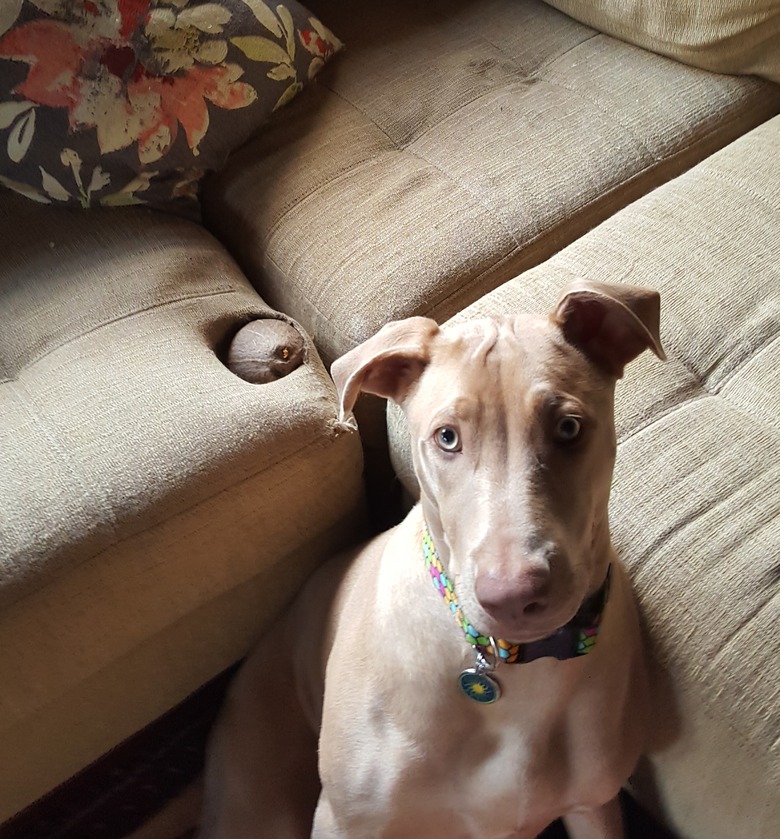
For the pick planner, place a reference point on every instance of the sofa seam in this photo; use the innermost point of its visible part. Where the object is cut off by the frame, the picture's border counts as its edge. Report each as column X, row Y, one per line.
column 641, row 143
column 350, row 337
column 703, row 394
column 491, row 212
column 526, row 77
column 658, row 163
column 703, row 383
column 654, row 160
column 537, row 75
column 729, row 378
column 362, row 113
column 722, row 127
column 113, row 321
column 718, row 717
column 594, row 34
column 348, row 170
column 744, row 623
column 726, row 178
column 63, row 455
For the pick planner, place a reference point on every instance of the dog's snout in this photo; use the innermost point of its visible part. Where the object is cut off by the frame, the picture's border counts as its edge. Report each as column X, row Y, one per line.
column 510, row 598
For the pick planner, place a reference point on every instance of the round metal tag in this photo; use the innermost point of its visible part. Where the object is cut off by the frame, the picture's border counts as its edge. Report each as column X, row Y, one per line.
column 479, row 686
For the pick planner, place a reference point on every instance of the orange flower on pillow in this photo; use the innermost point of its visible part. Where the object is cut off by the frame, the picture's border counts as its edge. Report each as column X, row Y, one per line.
column 96, row 71
column 106, row 102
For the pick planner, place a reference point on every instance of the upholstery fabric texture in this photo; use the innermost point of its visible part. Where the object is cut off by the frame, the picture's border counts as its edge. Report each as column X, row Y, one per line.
column 698, row 467
column 726, row 36
column 155, row 510
column 451, row 146
column 117, row 103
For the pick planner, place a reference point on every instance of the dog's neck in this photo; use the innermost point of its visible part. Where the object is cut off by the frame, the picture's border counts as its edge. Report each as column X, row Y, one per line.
column 576, row 638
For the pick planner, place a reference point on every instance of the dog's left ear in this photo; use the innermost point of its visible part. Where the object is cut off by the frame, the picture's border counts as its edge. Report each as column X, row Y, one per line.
column 611, row 324
column 387, row 364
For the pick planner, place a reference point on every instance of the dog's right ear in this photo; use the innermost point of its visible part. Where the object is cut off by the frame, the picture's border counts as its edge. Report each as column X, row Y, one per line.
column 387, row 364
column 611, row 324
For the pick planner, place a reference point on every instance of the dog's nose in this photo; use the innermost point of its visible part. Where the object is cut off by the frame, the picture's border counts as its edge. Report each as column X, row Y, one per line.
column 512, row 598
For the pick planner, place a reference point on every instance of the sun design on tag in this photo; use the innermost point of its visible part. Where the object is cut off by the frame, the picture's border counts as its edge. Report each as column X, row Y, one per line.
column 479, row 686
column 478, row 689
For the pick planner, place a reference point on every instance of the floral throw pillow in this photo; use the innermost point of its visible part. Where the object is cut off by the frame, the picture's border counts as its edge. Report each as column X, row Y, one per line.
column 115, row 102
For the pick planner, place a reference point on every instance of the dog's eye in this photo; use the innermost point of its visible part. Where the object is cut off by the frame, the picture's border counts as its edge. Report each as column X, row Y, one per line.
column 447, row 439
column 568, row 429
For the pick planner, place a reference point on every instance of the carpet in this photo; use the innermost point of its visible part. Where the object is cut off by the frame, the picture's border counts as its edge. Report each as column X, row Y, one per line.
column 121, row 795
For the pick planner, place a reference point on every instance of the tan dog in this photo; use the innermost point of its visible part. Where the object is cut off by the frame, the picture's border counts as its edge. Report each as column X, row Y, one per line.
column 513, row 444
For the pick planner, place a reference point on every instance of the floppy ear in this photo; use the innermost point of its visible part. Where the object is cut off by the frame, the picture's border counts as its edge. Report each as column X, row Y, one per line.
column 386, row 365
column 611, row 324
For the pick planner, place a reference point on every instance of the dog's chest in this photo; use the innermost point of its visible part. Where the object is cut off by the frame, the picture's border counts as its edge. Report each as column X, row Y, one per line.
column 499, row 772
column 405, row 755
column 494, row 782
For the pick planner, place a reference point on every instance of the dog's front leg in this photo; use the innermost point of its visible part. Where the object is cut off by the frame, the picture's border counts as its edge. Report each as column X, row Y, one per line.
column 261, row 777
column 605, row 822
column 324, row 824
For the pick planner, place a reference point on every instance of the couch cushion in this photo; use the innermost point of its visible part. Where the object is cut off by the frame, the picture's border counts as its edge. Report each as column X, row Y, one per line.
column 695, row 509
column 131, row 103
column 727, row 36
column 453, row 145
column 156, row 511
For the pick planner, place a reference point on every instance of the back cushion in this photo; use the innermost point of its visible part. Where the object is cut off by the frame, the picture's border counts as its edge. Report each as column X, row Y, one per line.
column 726, row 36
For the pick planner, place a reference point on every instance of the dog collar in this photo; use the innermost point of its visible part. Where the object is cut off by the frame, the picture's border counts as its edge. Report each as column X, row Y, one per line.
column 576, row 638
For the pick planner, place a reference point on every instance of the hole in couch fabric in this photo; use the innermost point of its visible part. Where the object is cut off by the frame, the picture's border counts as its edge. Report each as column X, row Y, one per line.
column 265, row 350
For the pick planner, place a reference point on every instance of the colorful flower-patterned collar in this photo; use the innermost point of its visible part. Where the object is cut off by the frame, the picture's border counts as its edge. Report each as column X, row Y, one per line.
column 576, row 638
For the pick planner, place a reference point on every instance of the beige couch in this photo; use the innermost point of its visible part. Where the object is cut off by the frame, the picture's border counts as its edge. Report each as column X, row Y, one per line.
column 156, row 511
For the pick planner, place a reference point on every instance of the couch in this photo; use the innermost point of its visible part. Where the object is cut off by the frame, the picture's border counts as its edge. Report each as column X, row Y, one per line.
column 461, row 157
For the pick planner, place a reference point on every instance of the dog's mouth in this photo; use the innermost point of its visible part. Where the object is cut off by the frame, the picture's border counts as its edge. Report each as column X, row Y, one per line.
column 579, row 614
column 529, row 628
column 552, row 628
column 520, row 618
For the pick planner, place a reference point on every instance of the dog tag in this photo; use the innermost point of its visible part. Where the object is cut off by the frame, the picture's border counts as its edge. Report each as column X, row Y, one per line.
column 478, row 686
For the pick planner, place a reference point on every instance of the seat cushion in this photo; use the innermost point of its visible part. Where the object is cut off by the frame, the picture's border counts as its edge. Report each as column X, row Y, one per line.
column 452, row 145
column 695, row 510
column 156, row 511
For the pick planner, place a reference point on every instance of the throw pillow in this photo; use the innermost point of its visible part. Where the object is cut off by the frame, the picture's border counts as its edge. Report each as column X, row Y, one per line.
column 114, row 102
column 725, row 36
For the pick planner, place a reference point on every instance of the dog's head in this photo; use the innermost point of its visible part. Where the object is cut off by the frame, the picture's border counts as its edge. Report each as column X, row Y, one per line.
column 513, row 444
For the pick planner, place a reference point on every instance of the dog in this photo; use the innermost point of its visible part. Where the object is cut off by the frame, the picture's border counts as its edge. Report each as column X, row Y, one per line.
column 475, row 672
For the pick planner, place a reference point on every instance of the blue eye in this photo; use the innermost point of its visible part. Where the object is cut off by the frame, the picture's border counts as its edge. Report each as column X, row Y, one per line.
column 568, row 428
column 447, row 439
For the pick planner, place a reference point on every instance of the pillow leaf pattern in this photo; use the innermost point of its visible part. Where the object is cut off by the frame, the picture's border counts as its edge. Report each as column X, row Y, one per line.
column 115, row 102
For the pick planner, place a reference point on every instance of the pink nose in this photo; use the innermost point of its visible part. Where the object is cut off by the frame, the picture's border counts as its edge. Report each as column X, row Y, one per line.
column 512, row 598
